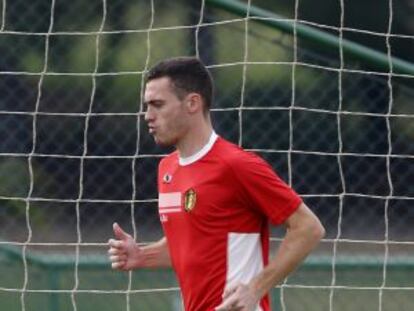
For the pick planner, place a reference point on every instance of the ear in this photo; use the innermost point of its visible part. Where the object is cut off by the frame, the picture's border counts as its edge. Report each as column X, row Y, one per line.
column 194, row 103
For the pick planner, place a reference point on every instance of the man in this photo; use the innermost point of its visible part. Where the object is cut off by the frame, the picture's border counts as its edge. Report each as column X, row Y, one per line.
column 215, row 203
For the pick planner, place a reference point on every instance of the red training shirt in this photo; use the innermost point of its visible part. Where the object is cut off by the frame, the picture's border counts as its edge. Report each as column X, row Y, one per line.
column 215, row 208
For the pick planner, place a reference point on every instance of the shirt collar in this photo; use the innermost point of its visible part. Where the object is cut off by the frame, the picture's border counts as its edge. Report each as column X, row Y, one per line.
column 201, row 153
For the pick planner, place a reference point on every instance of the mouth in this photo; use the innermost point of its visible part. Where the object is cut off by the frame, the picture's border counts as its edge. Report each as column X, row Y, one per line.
column 151, row 129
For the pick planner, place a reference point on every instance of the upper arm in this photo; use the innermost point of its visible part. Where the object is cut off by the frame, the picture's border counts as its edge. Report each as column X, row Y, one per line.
column 263, row 189
column 304, row 219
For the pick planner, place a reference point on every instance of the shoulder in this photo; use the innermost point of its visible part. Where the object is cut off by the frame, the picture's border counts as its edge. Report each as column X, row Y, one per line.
column 236, row 157
column 168, row 160
column 247, row 167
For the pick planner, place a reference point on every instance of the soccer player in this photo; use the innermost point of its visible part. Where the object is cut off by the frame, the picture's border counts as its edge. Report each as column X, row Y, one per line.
column 215, row 203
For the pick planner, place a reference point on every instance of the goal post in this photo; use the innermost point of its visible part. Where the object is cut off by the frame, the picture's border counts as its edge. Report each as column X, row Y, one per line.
column 307, row 30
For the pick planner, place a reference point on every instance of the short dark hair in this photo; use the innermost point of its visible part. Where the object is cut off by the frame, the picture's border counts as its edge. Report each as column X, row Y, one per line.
column 187, row 75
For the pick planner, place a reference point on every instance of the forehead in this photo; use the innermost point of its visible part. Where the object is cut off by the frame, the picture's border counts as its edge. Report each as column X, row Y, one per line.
column 158, row 89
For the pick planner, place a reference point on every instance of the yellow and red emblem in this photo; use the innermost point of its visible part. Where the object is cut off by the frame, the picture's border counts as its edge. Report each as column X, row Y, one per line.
column 190, row 199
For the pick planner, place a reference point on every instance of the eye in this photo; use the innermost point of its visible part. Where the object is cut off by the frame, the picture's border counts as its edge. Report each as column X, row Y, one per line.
column 153, row 105
column 158, row 104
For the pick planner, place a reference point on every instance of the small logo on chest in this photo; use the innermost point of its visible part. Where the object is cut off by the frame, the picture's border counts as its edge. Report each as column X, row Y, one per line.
column 190, row 199
column 167, row 178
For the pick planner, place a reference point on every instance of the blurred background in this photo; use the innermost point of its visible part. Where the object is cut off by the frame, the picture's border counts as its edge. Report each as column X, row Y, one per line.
column 75, row 153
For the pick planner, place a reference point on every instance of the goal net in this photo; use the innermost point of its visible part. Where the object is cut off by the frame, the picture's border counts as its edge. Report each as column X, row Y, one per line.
column 325, row 97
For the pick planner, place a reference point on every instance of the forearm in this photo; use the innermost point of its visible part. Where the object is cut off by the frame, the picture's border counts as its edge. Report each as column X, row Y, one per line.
column 155, row 255
column 300, row 239
column 289, row 255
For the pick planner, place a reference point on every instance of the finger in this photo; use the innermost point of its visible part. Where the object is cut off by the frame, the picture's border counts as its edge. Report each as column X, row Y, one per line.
column 228, row 304
column 118, row 265
column 229, row 291
column 117, row 251
column 115, row 243
column 118, row 258
column 114, row 258
column 114, row 251
column 221, row 308
column 119, row 233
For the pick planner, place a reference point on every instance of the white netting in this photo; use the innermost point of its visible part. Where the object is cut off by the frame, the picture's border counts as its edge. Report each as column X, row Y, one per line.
column 75, row 154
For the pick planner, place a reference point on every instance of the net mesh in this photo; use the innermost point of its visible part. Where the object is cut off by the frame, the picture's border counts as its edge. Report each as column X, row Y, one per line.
column 75, row 154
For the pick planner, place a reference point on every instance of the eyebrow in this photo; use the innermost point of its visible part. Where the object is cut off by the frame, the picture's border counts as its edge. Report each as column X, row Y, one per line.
column 153, row 102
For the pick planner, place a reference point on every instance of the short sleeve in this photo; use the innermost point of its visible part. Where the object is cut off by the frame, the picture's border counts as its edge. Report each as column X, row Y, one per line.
column 264, row 189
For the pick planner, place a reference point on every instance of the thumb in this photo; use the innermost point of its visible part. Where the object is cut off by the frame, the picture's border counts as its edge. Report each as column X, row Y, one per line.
column 119, row 233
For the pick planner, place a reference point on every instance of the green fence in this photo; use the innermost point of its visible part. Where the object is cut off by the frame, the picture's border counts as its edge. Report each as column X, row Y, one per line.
column 51, row 282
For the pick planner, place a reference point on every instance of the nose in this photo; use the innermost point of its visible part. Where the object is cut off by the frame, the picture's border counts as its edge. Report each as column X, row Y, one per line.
column 148, row 115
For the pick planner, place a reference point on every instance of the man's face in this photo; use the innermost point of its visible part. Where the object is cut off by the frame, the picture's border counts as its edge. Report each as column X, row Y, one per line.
column 165, row 113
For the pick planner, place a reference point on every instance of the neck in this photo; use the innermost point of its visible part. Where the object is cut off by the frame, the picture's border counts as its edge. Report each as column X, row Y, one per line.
column 195, row 139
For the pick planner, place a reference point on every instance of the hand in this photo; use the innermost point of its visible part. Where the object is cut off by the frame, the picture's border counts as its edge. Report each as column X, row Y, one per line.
column 124, row 253
column 238, row 298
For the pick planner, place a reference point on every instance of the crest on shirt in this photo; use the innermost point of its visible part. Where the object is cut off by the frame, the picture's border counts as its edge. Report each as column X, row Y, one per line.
column 167, row 178
column 190, row 199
